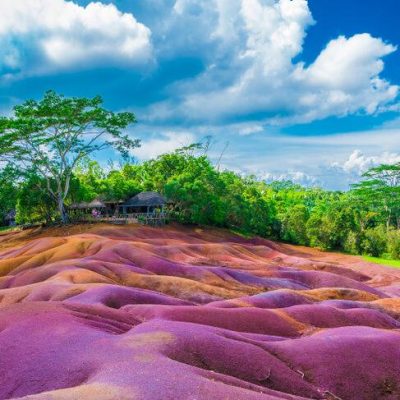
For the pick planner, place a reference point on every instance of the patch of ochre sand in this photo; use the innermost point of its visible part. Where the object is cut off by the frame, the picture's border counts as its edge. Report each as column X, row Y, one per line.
column 101, row 391
column 148, row 340
column 53, row 292
column 185, row 288
column 390, row 305
column 317, row 295
column 298, row 326
column 337, row 294
column 240, row 303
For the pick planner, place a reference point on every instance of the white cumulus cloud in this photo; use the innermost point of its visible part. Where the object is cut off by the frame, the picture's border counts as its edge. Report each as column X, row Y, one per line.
column 298, row 177
column 255, row 67
column 358, row 163
column 164, row 143
column 345, row 77
column 249, row 129
column 41, row 36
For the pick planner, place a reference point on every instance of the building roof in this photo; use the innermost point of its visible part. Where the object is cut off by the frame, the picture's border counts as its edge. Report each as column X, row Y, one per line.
column 96, row 203
column 144, row 199
column 113, row 201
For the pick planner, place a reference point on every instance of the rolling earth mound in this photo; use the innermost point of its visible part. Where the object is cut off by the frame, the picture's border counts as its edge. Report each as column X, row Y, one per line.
column 131, row 312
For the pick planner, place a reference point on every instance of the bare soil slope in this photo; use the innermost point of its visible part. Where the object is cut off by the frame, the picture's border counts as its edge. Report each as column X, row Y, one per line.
column 132, row 312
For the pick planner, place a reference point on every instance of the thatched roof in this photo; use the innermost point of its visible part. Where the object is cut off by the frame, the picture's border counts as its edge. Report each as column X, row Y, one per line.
column 146, row 199
column 113, row 201
column 96, row 203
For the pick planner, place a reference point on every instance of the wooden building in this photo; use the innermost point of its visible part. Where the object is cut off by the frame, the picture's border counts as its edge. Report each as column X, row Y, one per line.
column 87, row 207
column 143, row 203
column 146, row 207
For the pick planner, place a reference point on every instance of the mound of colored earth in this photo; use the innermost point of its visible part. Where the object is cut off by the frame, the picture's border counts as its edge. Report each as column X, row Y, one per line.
column 127, row 312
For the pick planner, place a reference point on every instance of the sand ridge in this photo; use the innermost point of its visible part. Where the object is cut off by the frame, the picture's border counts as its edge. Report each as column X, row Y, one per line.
column 133, row 312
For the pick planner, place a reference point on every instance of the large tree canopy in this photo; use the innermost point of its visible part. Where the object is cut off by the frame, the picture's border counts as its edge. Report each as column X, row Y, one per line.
column 51, row 141
column 50, row 136
column 355, row 221
column 380, row 188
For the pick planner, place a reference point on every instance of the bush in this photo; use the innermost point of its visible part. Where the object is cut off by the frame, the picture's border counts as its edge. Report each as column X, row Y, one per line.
column 352, row 243
column 293, row 228
column 375, row 241
column 393, row 244
column 319, row 232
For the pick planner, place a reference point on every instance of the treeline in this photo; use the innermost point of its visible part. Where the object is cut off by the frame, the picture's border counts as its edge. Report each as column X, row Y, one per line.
column 364, row 220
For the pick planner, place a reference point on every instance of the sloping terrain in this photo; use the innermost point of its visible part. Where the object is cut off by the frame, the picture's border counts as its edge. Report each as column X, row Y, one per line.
column 107, row 312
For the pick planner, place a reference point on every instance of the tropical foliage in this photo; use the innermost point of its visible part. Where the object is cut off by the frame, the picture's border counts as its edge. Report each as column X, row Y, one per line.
column 49, row 137
column 357, row 221
column 42, row 136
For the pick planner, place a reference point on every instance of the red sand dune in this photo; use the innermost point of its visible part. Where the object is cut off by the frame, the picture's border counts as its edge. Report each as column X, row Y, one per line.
column 107, row 312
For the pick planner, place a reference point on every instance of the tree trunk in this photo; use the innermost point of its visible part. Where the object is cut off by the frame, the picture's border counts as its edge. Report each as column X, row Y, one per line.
column 48, row 215
column 62, row 210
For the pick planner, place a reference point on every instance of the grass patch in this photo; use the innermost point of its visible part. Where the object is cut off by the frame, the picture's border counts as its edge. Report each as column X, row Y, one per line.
column 383, row 261
column 7, row 229
column 243, row 233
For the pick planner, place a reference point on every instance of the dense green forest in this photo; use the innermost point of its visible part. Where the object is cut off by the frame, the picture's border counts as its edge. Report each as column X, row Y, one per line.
column 40, row 185
column 364, row 220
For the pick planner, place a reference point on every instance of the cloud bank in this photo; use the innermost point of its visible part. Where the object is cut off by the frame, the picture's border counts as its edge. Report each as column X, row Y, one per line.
column 262, row 76
column 250, row 52
column 45, row 36
column 165, row 143
column 231, row 68
column 358, row 163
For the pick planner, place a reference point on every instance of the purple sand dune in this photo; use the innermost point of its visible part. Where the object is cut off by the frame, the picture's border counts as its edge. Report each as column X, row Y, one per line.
column 116, row 297
column 274, row 299
column 190, row 314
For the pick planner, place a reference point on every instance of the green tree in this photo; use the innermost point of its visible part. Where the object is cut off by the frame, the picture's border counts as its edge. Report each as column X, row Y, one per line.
column 331, row 221
column 123, row 183
column 52, row 135
column 393, row 243
column 374, row 242
column 195, row 191
column 34, row 203
column 294, row 222
column 91, row 178
column 381, row 190
column 8, row 191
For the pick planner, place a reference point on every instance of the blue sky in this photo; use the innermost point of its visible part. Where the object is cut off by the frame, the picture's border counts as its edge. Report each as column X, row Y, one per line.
column 296, row 90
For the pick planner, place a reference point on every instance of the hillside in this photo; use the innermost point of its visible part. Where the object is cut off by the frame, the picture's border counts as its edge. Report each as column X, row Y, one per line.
column 133, row 312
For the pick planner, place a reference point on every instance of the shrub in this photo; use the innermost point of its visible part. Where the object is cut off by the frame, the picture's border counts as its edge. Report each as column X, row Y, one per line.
column 352, row 243
column 393, row 244
column 375, row 241
column 319, row 232
column 293, row 228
